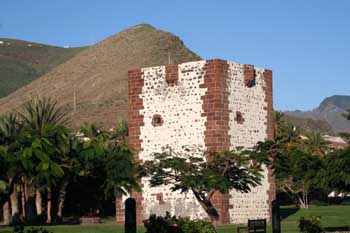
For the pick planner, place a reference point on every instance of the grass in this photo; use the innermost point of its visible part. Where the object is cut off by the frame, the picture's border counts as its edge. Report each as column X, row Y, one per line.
column 331, row 217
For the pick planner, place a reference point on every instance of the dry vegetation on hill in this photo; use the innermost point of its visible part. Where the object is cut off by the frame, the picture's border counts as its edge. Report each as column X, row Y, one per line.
column 22, row 62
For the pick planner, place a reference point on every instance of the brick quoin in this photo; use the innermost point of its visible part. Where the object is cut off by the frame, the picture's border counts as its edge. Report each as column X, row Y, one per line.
column 135, row 121
column 270, row 134
column 216, row 110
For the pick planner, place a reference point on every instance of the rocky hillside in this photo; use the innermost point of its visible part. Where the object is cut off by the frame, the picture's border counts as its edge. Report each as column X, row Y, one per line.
column 330, row 110
column 21, row 62
column 97, row 76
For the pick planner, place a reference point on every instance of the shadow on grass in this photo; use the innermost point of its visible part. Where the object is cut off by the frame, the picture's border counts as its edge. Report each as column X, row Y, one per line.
column 286, row 212
column 5, row 229
column 337, row 229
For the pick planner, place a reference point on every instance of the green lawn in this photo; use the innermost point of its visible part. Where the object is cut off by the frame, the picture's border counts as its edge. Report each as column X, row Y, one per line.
column 331, row 216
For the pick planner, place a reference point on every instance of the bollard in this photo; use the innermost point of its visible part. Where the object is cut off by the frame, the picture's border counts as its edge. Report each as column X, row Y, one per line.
column 130, row 216
column 276, row 217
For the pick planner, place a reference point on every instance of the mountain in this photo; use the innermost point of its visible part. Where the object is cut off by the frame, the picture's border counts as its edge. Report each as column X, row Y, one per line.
column 97, row 77
column 22, row 61
column 308, row 124
column 330, row 110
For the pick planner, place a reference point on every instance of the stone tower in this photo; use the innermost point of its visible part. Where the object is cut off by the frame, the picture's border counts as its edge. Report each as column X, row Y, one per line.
column 215, row 104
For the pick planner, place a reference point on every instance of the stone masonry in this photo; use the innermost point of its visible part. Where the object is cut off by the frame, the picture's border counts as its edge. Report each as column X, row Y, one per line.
column 215, row 105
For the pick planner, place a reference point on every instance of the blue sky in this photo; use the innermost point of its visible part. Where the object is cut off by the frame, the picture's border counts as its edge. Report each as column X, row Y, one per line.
column 305, row 42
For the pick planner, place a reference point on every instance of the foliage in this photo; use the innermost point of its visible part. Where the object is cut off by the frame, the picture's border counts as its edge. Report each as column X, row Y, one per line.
column 297, row 174
column 315, row 144
column 39, row 154
column 219, row 172
column 171, row 224
column 310, row 224
column 166, row 224
column 336, row 172
column 195, row 226
column 20, row 229
column 38, row 113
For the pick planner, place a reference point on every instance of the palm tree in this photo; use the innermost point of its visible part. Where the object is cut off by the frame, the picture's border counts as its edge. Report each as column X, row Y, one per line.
column 119, row 135
column 288, row 133
column 279, row 120
column 10, row 130
column 316, row 144
column 42, row 120
column 38, row 113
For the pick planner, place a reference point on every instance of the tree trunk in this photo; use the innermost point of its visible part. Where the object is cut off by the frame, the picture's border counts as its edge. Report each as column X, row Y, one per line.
column 23, row 201
column 49, row 205
column 30, row 202
column 14, row 202
column 38, row 203
column 208, row 208
column 6, row 212
column 61, row 199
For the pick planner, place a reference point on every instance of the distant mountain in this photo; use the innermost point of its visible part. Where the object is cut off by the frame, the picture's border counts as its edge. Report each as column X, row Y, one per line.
column 22, row 62
column 330, row 110
column 97, row 77
column 308, row 124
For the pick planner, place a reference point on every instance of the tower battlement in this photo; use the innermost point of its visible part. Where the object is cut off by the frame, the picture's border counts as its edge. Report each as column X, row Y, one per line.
column 215, row 104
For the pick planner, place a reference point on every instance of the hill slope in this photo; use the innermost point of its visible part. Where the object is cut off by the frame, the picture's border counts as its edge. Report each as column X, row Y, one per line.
column 97, row 76
column 330, row 110
column 21, row 62
column 309, row 124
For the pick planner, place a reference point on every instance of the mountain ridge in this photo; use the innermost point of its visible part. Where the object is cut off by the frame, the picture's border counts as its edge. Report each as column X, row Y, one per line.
column 97, row 76
column 329, row 110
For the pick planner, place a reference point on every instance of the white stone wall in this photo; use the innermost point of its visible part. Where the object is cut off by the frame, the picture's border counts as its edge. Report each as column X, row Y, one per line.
column 180, row 107
column 250, row 101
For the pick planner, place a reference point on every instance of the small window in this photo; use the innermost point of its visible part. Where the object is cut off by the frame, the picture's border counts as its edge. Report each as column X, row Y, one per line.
column 157, row 120
column 250, row 79
column 239, row 118
column 250, row 83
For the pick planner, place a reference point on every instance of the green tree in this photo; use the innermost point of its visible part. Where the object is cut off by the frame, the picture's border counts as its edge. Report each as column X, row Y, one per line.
column 336, row 172
column 104, row 162
column 191, row 172
column 297, row 174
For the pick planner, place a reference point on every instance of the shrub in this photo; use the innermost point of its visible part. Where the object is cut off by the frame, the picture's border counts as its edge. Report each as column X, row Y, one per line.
column 20, row 229
column 310, row 224
column 318, row 203
column 171, row 224
column 345, row 201
column 196, row 226
column 166, row 224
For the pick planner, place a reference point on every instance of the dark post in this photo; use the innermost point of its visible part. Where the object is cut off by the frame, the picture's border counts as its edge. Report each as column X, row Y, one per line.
column 276, row 217
column 130, row 216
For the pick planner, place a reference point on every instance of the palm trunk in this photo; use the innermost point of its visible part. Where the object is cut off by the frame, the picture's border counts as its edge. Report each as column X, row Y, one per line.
column 61, row 199
column 6, row 212
column 38, row 203
column 49, row 205
column 30, row 201
column 14, row 202
column 23, row 201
